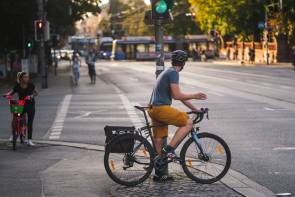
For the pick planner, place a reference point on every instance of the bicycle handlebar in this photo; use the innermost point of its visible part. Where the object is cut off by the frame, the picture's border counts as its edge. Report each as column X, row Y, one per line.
column 10, row 97
column 200, row 115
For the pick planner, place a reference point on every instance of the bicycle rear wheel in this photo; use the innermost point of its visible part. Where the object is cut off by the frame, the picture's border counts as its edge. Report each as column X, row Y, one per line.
column 211, row 166
column 130, row 165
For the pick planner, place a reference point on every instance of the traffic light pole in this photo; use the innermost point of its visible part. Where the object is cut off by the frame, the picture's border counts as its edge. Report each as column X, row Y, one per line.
column 159, row 47
column 266, row 30
column 160, row 66
column 41, row 54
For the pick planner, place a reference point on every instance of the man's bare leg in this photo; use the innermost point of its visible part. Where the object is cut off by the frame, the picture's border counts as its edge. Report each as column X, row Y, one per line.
column 181, row 133
column 158, row 145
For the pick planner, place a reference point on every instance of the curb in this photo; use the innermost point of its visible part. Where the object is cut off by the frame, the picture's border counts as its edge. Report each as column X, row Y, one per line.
column 72, row 144
column 238, row 63
column 234, row 179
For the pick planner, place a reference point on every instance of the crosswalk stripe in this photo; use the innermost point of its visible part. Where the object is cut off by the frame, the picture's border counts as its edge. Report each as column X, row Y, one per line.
column 55, row 131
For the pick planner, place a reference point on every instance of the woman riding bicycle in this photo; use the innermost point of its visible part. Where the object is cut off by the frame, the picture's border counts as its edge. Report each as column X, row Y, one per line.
column 25, row 88
column 76, row 67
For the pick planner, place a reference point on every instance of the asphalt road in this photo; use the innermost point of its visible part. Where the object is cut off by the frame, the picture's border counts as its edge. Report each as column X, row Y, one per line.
column 252, row 108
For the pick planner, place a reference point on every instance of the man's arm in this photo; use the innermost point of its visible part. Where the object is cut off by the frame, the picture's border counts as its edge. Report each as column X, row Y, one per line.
column 178, row 95
column 190, row 105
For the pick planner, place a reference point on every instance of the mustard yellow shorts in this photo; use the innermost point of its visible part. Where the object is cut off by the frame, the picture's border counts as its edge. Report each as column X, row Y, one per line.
column 165, row 115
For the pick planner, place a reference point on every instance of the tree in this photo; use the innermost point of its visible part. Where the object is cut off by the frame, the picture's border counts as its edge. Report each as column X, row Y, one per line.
column 183, row 22
column 230, row 17
column 63, row 14
column 17, row 19
column 133, row 19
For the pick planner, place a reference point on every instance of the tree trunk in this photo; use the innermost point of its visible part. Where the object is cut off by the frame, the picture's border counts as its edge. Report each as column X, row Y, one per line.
column 283, row 54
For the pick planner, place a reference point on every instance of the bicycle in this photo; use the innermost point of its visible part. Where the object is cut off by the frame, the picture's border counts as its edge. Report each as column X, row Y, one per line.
column 19, row 122
column 76, row 76
column 130, row 157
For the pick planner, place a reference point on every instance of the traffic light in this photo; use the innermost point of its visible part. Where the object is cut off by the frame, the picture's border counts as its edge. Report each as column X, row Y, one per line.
column 29, row 45
column 161, row 9
column 39, row 30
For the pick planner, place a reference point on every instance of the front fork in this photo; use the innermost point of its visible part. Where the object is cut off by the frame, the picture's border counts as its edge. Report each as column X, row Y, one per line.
column 197, row 141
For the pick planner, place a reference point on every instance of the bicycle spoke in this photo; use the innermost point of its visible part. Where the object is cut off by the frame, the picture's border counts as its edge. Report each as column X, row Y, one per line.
column 209, row 165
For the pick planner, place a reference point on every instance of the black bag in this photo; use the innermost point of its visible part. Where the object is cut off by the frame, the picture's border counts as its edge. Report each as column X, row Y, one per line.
column 123, row 146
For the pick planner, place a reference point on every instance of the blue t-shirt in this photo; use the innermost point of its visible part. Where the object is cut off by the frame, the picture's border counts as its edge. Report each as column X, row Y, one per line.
column 162, row 91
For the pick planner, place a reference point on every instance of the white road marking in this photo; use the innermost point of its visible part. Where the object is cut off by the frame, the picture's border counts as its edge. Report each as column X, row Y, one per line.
column 269, row 109
column 56, row 129
column 283, row 148
column 266, row 84
column 229, row 91
column 286, row 87
column 284, row 194
column 129, row 108
column 83, row 115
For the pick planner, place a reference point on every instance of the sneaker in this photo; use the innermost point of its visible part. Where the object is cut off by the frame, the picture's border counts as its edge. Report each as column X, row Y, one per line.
column 30, row 143
column 169, row 152
column 163, row 178
column 10, row 138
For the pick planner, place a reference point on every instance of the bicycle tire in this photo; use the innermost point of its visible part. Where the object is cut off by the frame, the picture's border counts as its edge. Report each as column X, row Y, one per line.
column 223, row 172
column 116, row 141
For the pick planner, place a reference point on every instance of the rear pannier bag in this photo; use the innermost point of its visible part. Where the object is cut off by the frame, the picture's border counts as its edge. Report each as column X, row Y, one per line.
column 123, row 146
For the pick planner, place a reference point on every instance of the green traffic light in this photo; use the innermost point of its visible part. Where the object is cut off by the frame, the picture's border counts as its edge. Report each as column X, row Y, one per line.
column 29, row 45
column 161, row 7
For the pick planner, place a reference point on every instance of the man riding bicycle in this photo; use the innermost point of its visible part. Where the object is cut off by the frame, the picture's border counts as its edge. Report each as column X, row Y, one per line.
column 162, row 114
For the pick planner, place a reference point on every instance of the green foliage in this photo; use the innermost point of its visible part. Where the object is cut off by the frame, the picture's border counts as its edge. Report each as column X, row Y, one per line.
column 63, row 14
column 128, row 19
column 239, row 18
column 17, row 19
column 133, row 22
column 230, row 17
column 182, row 24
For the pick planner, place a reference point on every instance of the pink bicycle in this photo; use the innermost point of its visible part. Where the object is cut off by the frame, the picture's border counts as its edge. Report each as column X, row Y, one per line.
column 19, row 123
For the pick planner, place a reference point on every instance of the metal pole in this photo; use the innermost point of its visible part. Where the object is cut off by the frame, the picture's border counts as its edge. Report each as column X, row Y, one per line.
column 160, row 66
column 266, row 29
column 43, row 67
column 159, row 47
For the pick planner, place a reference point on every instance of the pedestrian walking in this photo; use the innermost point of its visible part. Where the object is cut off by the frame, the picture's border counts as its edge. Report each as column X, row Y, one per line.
column 195, row 54
column 203, row 56
column 90, row 60
column 293, row 56
column 252, row 56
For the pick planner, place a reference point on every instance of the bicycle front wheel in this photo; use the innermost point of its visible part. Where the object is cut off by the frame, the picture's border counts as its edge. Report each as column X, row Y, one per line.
column 210, row 166
column 128, row 159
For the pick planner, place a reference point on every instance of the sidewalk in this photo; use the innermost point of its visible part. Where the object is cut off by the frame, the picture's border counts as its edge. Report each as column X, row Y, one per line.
column 238, row 63
column 66, row 172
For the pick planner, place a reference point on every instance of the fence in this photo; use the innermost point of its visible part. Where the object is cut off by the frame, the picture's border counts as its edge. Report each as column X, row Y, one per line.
column 250, row 52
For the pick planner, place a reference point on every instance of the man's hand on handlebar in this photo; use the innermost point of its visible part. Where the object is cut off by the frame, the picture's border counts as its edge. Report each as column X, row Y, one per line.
column 199, row 114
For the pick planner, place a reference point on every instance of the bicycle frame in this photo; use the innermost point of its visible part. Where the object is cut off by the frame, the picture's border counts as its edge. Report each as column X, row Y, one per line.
column 20, row 124
column 148, row 127
column 195, row 138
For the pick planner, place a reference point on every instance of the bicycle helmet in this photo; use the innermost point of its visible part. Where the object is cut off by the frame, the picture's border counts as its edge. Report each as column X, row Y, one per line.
column 179, row 56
